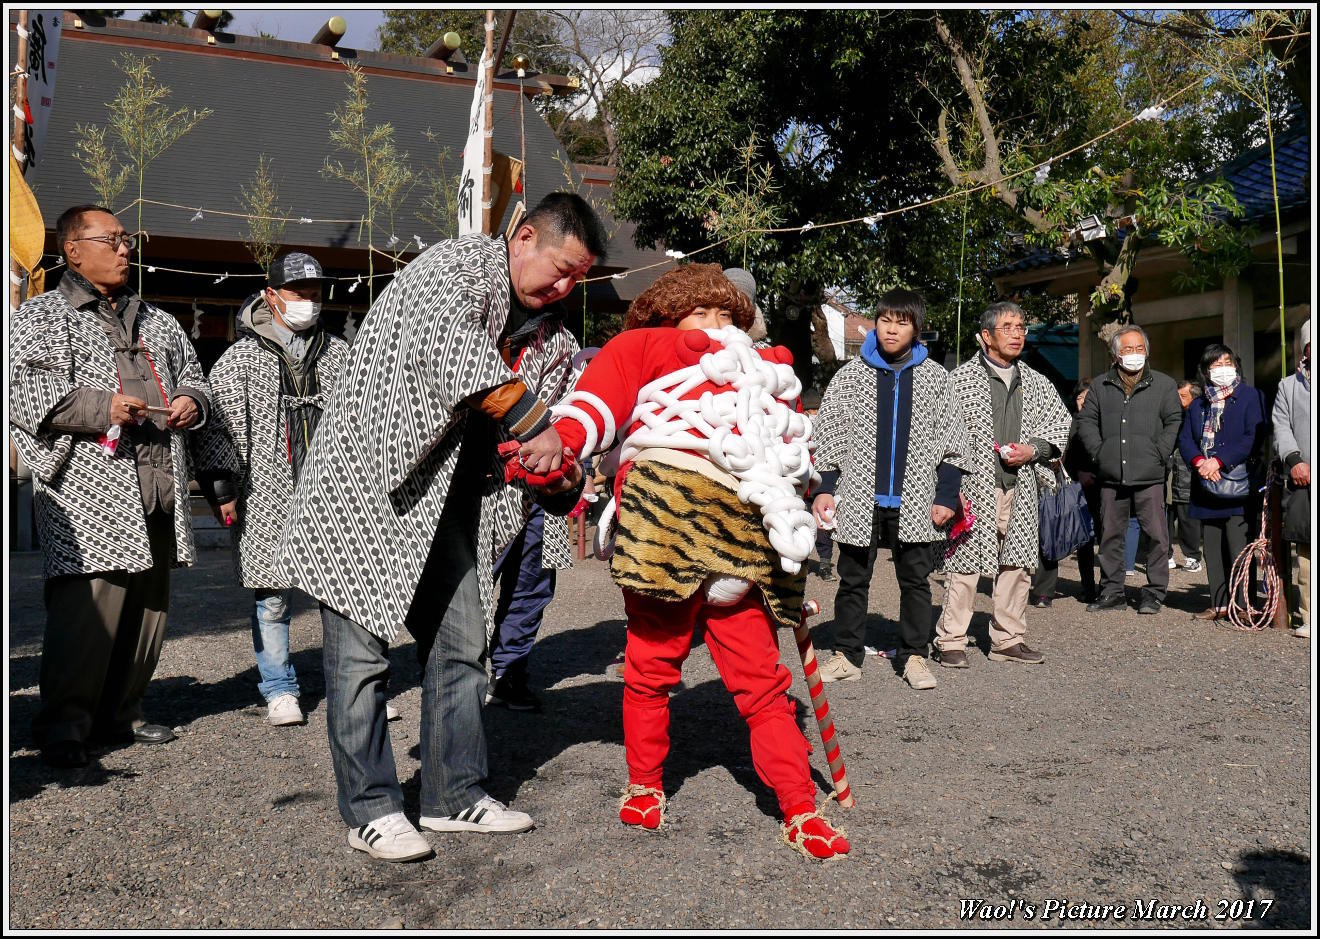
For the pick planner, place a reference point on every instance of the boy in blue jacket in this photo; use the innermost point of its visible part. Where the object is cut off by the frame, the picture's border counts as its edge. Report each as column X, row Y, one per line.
column 890, row 425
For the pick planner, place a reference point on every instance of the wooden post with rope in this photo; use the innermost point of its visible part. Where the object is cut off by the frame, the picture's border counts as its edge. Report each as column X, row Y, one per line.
column 1282, row 563
column 19, row 101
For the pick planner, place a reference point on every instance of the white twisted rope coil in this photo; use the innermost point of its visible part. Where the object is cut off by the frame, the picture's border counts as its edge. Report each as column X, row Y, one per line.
column 749, row 431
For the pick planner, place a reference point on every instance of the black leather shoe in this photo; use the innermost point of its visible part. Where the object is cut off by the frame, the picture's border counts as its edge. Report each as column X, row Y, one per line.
column 152, row 733
column 1149, row 606
column 1107, row 603
column 1041, row 602
column 65, row 754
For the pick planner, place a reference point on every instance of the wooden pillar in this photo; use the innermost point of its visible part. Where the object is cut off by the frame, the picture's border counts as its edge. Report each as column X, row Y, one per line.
column 1281, row 551
column 1239, row 327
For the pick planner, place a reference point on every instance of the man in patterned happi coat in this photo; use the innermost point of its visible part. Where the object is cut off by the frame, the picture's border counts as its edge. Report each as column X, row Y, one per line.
column 890, row 428
column 1016, row 424
column 102, row 386
column 270, row 389
column 383, row 528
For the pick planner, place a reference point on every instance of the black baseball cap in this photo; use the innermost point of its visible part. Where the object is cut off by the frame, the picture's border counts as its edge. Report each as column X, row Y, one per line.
column 292, row 268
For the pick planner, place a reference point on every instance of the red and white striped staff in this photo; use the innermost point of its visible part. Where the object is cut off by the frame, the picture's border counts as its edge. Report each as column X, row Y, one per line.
column 821, row 706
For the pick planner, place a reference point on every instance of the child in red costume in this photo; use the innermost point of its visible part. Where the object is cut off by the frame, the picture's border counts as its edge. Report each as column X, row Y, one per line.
column 715, row 461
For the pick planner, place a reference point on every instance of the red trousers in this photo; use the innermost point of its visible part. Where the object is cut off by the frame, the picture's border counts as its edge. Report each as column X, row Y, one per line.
column 742, row 641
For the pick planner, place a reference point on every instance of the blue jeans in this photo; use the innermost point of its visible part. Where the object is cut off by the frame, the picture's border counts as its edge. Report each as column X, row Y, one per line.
column 1130, row 545
column 525, row 590
column 270, row 640
column 448, row 623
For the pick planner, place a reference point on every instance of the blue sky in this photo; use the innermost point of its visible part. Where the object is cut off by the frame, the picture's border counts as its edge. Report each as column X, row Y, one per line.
column 298, row 23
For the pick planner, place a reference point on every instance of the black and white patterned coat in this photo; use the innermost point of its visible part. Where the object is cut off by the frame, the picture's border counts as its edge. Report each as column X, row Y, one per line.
column 546, row 367
column 248, row 436
column 1043, row 416
column 89, row 509
column 846, row 440
column 374, row 483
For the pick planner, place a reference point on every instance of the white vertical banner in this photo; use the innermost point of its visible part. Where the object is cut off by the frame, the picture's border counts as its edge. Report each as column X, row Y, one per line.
column 43, row 44
column 469, row 193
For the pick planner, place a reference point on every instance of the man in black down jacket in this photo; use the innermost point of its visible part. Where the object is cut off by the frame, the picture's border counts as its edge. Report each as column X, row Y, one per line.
column 1129, row 426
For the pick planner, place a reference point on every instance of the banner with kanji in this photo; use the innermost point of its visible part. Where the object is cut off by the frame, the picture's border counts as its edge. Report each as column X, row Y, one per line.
column 474, row 152
column 43, row 46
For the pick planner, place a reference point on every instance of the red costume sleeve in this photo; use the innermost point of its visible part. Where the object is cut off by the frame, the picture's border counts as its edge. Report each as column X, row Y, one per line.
column 615, row 375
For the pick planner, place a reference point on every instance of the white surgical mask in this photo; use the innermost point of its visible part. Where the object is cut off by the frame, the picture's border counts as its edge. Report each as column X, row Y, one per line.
column 1132, row 363
column 1223, row 375
column 301, row 314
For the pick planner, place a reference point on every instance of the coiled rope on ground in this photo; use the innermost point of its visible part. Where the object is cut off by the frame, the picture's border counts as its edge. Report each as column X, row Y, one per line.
column 1242, row 616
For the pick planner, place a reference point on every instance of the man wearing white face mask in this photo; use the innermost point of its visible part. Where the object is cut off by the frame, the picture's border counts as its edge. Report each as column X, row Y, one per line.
column 1129, row 426
column 274, row 382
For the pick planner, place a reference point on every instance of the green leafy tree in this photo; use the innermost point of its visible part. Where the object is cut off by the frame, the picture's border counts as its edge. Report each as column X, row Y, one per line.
column 803, row 86
column 266, row 219
column 141, row 126
column 1250, row 52
column 374, row 167
column 1146, row 183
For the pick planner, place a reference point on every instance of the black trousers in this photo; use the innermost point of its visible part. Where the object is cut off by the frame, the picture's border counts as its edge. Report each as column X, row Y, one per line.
column 1225, row 539
column 1117, row 505
column 1188, row 528
column 1045, row 582
column 913, row 563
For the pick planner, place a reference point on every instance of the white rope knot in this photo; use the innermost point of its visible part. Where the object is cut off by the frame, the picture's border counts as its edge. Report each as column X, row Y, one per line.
column 749, row 431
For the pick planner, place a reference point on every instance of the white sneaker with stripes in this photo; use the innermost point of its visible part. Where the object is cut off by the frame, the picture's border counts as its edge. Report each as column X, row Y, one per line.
column 390, row 838
column 487, row 814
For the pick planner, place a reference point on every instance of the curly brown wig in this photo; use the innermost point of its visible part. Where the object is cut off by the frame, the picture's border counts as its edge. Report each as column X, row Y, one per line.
column 680, row 291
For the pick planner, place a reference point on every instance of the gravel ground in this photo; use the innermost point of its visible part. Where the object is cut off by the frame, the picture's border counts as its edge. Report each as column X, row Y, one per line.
column 1150, row 759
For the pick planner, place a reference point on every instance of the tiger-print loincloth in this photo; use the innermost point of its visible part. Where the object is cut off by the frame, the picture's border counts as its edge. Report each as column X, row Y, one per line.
column 677, row 527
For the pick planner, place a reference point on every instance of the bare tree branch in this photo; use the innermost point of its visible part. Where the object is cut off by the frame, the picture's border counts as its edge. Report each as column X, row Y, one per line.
column 608, row 47
column 991, row 172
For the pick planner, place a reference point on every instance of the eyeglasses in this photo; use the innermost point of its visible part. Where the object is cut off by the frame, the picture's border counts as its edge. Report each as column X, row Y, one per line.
column 114, row 241
column 1012, row 329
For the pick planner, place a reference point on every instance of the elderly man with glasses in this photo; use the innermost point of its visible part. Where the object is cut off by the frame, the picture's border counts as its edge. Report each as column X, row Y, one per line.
column 101, row 387
column 1129, row 426
column 1016, row 424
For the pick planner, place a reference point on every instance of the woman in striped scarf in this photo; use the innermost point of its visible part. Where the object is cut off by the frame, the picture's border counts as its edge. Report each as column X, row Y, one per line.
column 1223, row 429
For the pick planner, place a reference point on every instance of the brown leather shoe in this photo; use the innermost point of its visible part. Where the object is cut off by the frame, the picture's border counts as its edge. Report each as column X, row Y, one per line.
column 1212, row 614
column 1018, row 653
column 952, row 658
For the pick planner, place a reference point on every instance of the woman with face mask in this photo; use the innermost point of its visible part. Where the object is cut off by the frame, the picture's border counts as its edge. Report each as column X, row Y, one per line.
column 1220, row 438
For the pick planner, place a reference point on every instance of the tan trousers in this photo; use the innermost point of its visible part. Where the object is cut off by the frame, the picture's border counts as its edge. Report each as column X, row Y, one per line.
column 1303, row 553
column 1008, row 626
column 103, row 637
